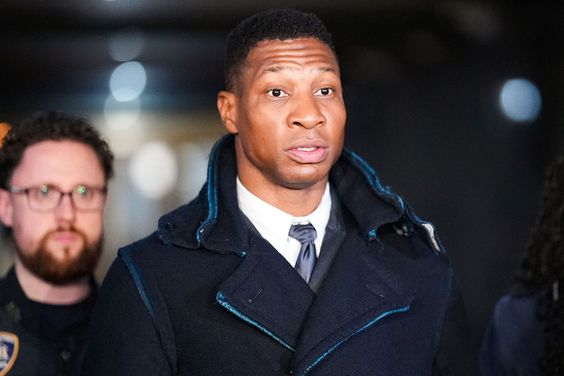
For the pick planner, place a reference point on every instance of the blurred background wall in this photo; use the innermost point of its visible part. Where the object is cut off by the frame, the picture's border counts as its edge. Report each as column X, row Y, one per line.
column 459, row 105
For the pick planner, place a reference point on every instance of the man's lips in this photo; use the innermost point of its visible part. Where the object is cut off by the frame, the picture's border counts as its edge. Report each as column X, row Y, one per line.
column 308, row 153
column 66, row 237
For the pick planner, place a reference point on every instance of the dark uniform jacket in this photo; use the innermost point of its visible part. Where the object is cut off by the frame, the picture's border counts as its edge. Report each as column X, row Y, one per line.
column 205, row 295
column 41, row 339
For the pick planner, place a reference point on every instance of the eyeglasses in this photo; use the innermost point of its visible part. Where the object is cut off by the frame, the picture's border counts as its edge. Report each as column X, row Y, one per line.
column 45, row 197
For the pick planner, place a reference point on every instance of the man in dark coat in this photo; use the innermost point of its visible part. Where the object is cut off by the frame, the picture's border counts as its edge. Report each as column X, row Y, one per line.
column 293, row 259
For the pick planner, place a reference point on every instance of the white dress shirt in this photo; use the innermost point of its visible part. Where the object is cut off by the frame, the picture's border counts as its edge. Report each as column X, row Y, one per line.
column 274, row 224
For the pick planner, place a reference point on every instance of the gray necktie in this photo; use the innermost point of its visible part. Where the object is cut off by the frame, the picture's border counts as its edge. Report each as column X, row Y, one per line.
column 307, row 257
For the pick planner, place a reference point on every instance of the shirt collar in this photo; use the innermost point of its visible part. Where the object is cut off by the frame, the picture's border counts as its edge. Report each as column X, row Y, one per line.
column 274, row 224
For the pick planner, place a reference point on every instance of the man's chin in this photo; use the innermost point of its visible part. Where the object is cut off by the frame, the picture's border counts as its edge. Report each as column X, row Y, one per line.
column 60, row 265
column 64, row 254
column 64, row 270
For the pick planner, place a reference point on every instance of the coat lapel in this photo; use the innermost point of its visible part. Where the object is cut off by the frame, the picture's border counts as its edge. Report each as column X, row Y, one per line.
column 266, row 292
column 357, row 292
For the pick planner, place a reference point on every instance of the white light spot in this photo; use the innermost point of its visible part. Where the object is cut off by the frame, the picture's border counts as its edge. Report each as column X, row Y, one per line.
column 121, row 115
column 520, row 100
column 153, row 169
column 128, row 81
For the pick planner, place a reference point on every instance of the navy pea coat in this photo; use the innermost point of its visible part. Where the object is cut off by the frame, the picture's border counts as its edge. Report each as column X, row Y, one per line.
column 203, row 295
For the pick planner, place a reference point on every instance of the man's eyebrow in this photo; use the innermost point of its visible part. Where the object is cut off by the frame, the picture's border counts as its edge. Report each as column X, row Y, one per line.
column 279, row 68
column 274, row 69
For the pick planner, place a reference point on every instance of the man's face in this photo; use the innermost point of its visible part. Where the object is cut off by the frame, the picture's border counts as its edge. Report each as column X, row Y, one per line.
column 288, row 114
column 61, row 245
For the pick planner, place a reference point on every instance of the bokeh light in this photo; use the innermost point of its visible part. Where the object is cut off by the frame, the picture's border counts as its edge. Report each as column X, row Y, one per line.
column 128, row 81
column 520, row 100
column 153, row 169
column 121, row 115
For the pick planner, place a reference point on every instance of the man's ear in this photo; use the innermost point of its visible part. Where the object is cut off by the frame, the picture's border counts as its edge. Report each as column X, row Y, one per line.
column 227, row 107
column 6, row 208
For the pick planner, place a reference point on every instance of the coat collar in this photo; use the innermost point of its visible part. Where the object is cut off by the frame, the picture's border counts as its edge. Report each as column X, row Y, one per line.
column 200, row 222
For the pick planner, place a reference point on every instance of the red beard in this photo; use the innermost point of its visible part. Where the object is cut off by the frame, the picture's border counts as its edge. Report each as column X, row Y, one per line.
column 66, row 270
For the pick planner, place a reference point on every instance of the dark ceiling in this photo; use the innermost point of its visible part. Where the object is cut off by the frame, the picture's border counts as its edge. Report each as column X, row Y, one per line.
column 56, row 52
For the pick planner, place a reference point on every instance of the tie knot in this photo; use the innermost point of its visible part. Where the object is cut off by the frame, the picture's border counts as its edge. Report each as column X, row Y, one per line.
column 303, row 233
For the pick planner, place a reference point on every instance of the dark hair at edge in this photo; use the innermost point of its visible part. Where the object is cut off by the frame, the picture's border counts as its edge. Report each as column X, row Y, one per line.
column 271, row 24
column 542, row 269
column 51, row 126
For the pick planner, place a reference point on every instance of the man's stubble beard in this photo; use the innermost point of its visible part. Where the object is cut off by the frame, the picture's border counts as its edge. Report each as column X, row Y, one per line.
column 66, row 270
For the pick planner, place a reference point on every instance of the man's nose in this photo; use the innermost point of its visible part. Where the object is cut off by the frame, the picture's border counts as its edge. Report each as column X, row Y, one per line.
column 307, row 112
column 65, row 210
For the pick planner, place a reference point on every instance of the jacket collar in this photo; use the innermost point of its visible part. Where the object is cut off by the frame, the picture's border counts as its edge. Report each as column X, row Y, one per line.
column 201, row 222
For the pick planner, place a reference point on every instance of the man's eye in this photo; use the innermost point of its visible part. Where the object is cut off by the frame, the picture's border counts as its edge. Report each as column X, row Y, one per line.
column 325, row 91
column 82, row 191
column 44, row 190
column 277, row 93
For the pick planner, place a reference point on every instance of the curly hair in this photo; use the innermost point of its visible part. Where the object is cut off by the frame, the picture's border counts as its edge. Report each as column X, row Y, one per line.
column 51, row 126
column 271, row 24
column 542, row 269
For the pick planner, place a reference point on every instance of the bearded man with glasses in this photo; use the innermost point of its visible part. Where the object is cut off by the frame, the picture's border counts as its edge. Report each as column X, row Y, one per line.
column 54, row 170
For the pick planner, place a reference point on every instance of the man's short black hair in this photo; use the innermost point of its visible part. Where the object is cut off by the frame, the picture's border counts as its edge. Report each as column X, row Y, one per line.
column 51, row 126
column 271, row 24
